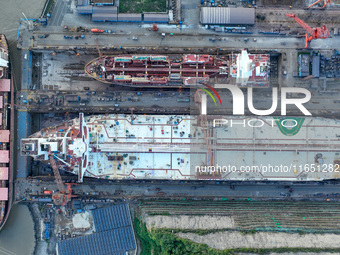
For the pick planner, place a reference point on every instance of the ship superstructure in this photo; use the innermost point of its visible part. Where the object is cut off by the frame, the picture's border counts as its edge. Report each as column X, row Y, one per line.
column 174, row 147
column 5, row 95
column 176, row 70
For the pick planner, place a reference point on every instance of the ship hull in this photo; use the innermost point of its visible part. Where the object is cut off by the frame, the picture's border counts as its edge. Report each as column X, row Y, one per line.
column 175, row 148
column 6, row 175
column 173, row 71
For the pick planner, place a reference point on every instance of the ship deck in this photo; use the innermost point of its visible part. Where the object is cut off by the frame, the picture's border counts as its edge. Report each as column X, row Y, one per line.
column 175, row 147
column 5, row 164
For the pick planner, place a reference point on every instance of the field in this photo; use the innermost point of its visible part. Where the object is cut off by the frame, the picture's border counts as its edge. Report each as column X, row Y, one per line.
column 283, row 216
column 231, row 227
column 131, row 6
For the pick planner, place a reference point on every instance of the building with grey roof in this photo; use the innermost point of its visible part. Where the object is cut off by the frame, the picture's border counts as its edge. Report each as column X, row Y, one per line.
column 102, row 17
column 316, row 66
column 87, row 9
column 156, row 18
column 129, row 17
column 105, row 13
column 103, row 2
column 83, row 2
column 105, row 9
column 226, row 16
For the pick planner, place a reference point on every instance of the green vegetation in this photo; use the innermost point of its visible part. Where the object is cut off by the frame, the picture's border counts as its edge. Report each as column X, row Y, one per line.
column 165, row 242
column 132, row 6
column 50, row 4
column 162, row 213
column 269, row 216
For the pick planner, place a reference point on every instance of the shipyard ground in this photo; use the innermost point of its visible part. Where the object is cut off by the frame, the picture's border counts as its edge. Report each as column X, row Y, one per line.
column 47, row 112
column 268, row 224
column 58, row 70
column 183, row 200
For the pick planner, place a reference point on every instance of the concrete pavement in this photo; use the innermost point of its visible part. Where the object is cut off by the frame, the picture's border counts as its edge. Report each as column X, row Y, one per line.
column 143, row 189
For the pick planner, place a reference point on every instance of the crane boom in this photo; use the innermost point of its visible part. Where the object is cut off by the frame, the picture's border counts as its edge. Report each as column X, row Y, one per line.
column 325, row 3
column 301, row 23
column 97, row 45
column 57, row 175
column 314, row 33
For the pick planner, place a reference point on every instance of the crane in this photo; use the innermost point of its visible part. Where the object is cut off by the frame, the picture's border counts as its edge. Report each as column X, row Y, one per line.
column 315, row 33
column 97, row 45
column 65, row 194
column 325, row 3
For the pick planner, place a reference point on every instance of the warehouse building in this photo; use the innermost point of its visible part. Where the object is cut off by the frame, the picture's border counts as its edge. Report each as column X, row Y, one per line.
column 129, row 17
column 105, row 13
column 227, row 16
column 83, row 2
column 102, row 2
column 86, row 9
column 156, row 18
column 316, row 66
column 114, row 234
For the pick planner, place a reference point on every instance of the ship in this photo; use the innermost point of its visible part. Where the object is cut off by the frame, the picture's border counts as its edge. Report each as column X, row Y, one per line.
column 181, row 147
column 5, row 118
column 187, row 70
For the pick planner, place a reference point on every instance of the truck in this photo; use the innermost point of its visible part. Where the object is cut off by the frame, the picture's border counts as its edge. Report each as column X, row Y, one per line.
column 96, row 30
column 47, row 192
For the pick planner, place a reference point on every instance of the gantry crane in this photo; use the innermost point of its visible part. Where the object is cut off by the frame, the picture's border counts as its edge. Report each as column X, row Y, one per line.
column 65, row 194
column 315, row 33
column 325, row 3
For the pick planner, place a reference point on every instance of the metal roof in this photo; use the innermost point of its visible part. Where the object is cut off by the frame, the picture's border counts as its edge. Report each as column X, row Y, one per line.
column 225, row 15
column 132, row 17
column 3, row 194
column 3, row 173
column 5, row 85
column 88, row 9
column 4, row 136
column 104, row 17
column 105, row 9
column 115, row 242
column 156, row 17
column 114, row 234
column 4, row 156
column 316, row 66
column 103, row 1
column 83, row 2
column 111, row 217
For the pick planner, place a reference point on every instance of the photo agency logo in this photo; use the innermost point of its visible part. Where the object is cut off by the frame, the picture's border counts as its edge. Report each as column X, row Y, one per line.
column 239, row 99
column 204, row 98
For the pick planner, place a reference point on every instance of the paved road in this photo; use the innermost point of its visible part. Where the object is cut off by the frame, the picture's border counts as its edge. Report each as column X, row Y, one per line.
column 189, row 41
column 318, row 105
column 175, row 188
